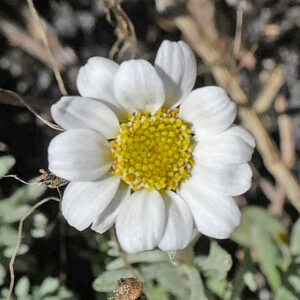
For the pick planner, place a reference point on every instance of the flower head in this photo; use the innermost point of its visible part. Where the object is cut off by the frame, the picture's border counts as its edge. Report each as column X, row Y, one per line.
column 145, row 152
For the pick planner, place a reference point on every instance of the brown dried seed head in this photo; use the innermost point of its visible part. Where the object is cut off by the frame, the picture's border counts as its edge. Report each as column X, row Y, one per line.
column 128, row 289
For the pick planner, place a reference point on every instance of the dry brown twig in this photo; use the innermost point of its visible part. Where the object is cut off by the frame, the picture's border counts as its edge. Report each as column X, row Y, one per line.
column 18, row 37
column 230, row 82
column 276, row 194
column 287, row 143
column 287, row 149
column 204, row 13
column 14, row 176
column 19, row 240
column 270, row 90
column 64, row 55
column 30, row 42
column 37, row 103
column 123, row 255
column 124, row 28
column 19, row 98
column 238, row 33
column 43, row 36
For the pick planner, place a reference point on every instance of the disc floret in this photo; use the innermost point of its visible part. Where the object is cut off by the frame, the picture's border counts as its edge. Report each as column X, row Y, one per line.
column 153, row 151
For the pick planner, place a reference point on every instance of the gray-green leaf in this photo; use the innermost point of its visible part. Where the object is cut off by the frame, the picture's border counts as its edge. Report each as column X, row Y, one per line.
column 284, row 294
column 167, row 276
column 6, row 163
column 268, row 255
column 2, row 274
column 194, row 283
column 48, row 286
column 22, row 287
column 295, row 239
column 254, row 215
column 217, row 264
column 149, row 257
column 107, row 281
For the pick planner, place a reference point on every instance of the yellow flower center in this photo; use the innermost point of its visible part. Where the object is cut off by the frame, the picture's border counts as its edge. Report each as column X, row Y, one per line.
column 153, row 151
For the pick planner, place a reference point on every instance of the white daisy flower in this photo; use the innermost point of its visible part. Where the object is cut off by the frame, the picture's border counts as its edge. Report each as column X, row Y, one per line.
column 143, row 151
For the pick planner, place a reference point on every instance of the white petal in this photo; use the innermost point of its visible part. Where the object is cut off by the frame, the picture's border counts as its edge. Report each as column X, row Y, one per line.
column 108, row 217
column 230, row 180
column 209, row 110
column 214, row 215
column 176, row 65
column 138, row 87
column 79, row 155
column 179, row 225
column 227, row 147
column 95, row 80
column 84, row 201
column 141, row 221
column 77, row 112
column 242, row 133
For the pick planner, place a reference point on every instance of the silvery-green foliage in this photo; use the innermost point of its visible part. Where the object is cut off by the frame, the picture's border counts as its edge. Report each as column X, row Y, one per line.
column 267, row 252
column 12, row 209
column 6, row 163
column 269, row 261
column 49, row 289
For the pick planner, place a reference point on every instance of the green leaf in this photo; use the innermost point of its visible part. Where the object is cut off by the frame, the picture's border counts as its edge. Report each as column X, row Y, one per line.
column 149, row 257
column 2, row 274
column 8, row 252
column 156, row 291
column 40, row 220
column 167, row 276
column 107, row 281
column 25, row 194
column 284, row 294
column 48, row 286
column 8, row 235
column 295, row 239
column 16, row 213
column 22, row 287
column 244, row 266
column 194, row 283
column 6, row 163
column 34, row 191
column 217, row 264
column 268, row 255
column 254, row 215
column 250, row 281
column 220, row 287
column 38, row 233
column 4, row 293
column 63, row 293
column 294, row 281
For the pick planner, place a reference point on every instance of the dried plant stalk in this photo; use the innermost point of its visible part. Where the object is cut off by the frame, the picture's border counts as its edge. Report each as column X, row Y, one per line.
column 287, row 150
column 44, row 38
column 19, row 38
column 270, row 91
column 230, row 82
column 127, row 264
column 21, row 100
column 19, row 240
column 124, row 29
column 285, row 126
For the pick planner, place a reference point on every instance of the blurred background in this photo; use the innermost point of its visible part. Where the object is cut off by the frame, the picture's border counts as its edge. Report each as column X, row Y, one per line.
column 256, row 46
